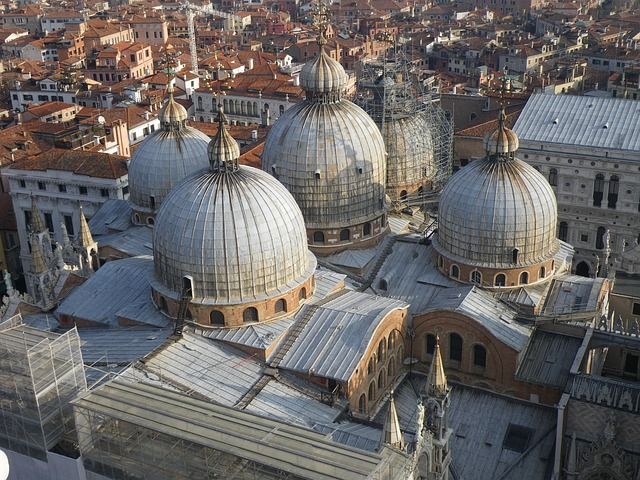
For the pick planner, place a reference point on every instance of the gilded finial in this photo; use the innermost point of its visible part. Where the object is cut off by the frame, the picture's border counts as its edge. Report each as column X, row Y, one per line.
column 320, row 14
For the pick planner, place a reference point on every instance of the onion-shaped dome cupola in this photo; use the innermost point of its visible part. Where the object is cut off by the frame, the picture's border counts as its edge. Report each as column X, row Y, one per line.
column 497, row 219
column 235, row 235
column 165, row 158
column 331, row 156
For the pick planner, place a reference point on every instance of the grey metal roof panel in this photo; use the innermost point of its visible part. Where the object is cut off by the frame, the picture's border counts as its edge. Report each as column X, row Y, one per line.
column 209, row 368
column 481, row 306
column 134, row 241
column 352, row 434
column 336, row 336
column 573, row 294
column 282, row 402
column 110, row 346
column 113, row 216
column 548, row 359
column 576, row 120
column 113, row 292
column 480, row 420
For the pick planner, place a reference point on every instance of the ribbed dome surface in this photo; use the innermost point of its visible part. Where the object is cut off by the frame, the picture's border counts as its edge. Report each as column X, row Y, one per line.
column 410, row 154
column 162, row 160
column 239, row 234
column 331, row 157
column 491, row 207
column 502, row 141
column 323, row 75
column 173, row 112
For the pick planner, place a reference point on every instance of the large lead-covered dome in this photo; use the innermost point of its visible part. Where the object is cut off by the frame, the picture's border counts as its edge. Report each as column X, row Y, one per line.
column 498, row 213
column 331, row 156
column 236, row 235
column 164, row 159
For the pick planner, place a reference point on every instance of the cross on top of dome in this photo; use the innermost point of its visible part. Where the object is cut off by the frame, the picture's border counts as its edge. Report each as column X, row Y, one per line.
column 173, row 116
column 502, row 143
column 320, row 14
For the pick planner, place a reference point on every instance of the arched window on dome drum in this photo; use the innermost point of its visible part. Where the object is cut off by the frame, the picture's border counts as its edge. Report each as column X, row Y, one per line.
column 391, row 341
column 362, row 404
column 524, row 278
column 455, row 271
column 280, row 306
column 614, row 185
column 150, row 221
column 563, row 231
column 302, row 294
column 152, row 202
column 514, row 255
column 381, row 379
column 216, row 317
column 476, row 277
column 345, row 235
column 250, row 315
column 542, row 273
column 136, row 218
column 440, row 261
column 553, row 177
column 455, row 347
column 366, row 229
column 429, row 343
column 479, row 356
column 370, row 366
column 598, row 190
column 403, row 196
column 383, row 285
column 318, row 238
column 163, row 304
column 600, row 238
column 500, row 280
column 382, row 351
column 390, row 372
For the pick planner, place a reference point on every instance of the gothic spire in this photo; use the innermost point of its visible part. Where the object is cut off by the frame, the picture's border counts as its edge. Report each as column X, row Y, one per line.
column 391, row 434
column 37, row 223
column 38, row 264
column 84, row 239
column 437, row 380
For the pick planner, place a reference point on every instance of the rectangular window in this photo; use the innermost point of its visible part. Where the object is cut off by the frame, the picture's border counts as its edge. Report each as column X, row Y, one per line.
column 68, row 223
column 584, row 237
column 635, row 310
column 62, row 188
column 23, row 184
column 27, row 219
column 125, row 190
column 41, row 186
column 631, row 364
column 48, row 220
column 145, row 131
column 83, row 190
column 28, row 97
column 104, row 192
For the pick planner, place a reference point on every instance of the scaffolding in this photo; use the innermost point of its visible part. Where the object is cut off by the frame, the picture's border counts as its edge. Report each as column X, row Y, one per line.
column 418, row 133
column 40, row 373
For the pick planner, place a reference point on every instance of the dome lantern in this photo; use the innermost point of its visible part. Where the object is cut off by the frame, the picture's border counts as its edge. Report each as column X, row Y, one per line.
column 173, row 116
column 223, row 149
column 502, row 143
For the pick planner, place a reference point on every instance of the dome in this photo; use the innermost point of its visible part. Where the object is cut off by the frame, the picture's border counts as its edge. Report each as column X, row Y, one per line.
column 234, row 231
column 165, row 158
column 502, row 140
column 498, row 212
column 323, row 75
column 330, row 155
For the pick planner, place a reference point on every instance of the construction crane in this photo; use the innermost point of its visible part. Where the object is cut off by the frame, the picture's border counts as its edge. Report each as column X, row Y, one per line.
column 191, row 10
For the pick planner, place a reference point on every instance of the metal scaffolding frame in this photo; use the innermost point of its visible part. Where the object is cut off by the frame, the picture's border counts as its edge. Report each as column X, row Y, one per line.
column 405, row 107
column 40, row 373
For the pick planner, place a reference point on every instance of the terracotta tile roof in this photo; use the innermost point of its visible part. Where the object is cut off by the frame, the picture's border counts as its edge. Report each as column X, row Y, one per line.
column 253, row 156
column 479, row 130
column 91, row 164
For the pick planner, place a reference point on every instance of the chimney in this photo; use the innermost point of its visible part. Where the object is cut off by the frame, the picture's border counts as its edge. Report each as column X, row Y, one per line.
column 19, row 118
column 254, row 135
column 146, row 115
column 250, row 64
column 296, row 80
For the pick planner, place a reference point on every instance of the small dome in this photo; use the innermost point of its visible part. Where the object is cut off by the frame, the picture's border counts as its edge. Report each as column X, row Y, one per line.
column 491, row 208
column 323, row 75
column 223, row 149
column 502, row 140
column 172, row 114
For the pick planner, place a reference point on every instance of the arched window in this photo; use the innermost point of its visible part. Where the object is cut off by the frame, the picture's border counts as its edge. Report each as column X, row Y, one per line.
column 281, row 109
column 455, row 271
column 400, row 357
column 476, row 277
column 243, row 107
column 370, row 367
column 214, row 105
column 200, row 103
column 429, row 343
column 216, row 317
column 553, row 177
column 600, row 238
column 345, row 235
column 563, row 232
column 403, row 196
column 280, row 306
column 136, row 218
column 583, row 269
column 479, row 356
column 383, row 285
column 390, row 372
column 362, row 404
column 163, row 304
column 382, row 351
column 440, row 261
column 391, row 340
column 598, row 190
column 250, row 315
column 366, row 229
column 381, row 380
column 614, row 185
column 501, row 280
column 302, row 294
column 542, row 273
column 318, row 238
column 455, row 347
column 524, row 278
column 514, row 255
column 372, row 392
